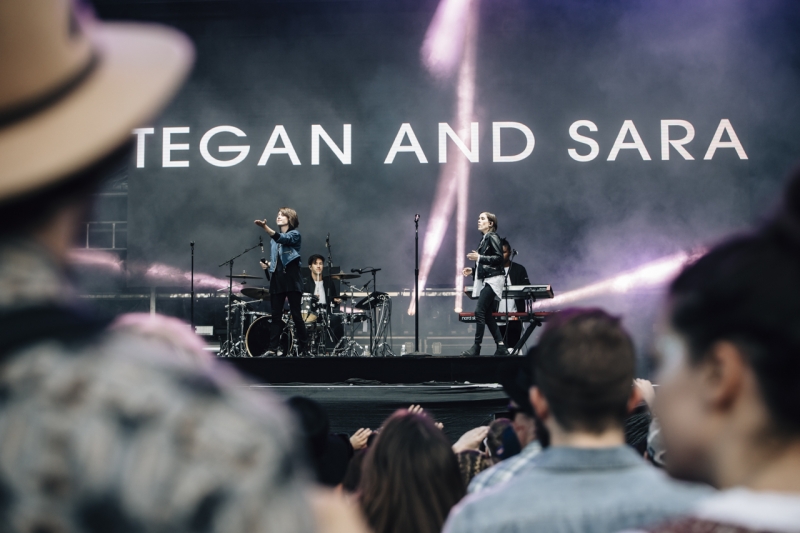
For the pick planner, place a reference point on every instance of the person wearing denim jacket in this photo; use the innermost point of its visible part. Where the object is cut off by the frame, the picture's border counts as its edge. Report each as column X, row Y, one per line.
column 286, row 281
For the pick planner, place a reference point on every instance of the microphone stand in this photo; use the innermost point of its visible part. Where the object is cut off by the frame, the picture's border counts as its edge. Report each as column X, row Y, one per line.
column 229, row 262
column 416, row 352
column 328, row 297
column 191, row 312
column 416, row 283
column 261, row 245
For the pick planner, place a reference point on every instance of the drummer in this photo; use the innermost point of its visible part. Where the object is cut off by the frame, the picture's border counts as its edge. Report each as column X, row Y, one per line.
column 324, row 289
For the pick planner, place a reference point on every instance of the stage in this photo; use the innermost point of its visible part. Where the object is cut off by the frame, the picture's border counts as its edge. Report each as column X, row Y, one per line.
column 384, row 370
column 460, row 392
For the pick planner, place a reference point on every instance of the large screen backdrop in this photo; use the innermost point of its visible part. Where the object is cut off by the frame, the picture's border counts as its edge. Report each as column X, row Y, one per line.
column 592, row 199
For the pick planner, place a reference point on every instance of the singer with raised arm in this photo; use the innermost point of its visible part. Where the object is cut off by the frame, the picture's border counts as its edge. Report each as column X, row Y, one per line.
column 487, row 284
column 286, row 281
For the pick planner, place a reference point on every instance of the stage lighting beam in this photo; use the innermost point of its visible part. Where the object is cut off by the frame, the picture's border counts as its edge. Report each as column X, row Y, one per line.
column 650, row 275
column 450, row 40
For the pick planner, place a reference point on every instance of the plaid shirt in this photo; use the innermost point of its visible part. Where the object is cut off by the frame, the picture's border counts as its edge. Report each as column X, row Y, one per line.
column 505, row 470
column 120, row 435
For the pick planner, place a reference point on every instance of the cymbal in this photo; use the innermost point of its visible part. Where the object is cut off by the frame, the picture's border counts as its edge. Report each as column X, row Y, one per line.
column 342, row 275
column 243, row 276
column 259, row 293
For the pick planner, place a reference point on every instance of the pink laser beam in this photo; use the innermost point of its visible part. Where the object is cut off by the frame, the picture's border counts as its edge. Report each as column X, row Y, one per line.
column 451, row 36
column 443, row 45
column 156, row 274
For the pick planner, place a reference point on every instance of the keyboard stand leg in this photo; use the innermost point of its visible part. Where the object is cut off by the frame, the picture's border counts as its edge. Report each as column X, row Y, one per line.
column 524, row 338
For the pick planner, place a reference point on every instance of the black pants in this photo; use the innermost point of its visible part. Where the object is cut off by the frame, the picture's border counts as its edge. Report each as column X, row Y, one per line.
column 276, row 300
column 483, row 315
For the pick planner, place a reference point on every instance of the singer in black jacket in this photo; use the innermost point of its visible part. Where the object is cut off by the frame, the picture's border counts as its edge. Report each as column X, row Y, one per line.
column 487, row 283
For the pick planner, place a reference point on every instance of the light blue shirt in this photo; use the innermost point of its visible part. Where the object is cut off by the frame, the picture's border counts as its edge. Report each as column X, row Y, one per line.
column 505, row 470
column 577, row 490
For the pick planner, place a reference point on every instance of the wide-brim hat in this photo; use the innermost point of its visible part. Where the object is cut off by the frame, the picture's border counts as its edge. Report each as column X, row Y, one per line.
column 73, row 88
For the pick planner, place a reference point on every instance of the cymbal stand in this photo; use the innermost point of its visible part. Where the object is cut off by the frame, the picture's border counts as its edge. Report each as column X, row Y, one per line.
column 240, row 344
column 238, row 348
column 326, row 330
column 383, row 328
column 226, row 350
column 381, row 315
column 347, row 345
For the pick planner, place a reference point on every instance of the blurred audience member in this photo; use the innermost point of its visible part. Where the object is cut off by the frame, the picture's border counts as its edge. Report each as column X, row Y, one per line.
column 531, row 434
column 588, row 479
column 104, row 430
column 410, row 478
column 656, row 453
column 501, row 441
column 729, row 401
column 523, row 422
column 352, row 477
column 328, row 453
column 168, row 331
column 472, row 463
column 637, row 428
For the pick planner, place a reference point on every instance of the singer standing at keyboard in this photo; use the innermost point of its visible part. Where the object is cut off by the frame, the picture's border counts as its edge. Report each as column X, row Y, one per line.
column 487, row 284
column 517, row 275
column 286, row 280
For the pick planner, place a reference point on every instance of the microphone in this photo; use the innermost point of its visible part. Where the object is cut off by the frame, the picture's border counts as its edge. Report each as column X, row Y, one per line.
column 513, row 252
column 355, row 270
column 328, row 241
column 261, row 244
column 416, row 218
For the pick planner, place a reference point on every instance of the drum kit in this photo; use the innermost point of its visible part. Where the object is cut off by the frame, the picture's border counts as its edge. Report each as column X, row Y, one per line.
column 330, row 333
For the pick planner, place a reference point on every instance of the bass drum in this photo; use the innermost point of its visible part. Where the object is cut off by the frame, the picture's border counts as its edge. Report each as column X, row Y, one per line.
column 257, row 338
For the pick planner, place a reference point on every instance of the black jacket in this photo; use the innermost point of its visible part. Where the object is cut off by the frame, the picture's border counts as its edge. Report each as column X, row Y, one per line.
column 490, row 262
column 327, row 284
column 517, row 275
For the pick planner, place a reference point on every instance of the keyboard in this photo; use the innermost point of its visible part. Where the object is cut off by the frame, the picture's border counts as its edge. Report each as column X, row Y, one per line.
column 501, row 317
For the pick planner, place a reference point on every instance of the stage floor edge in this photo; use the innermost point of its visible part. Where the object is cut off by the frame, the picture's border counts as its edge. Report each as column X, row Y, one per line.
column 448, row 369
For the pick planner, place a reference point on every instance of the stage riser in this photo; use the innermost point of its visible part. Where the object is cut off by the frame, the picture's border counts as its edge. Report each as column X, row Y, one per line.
column 381, row 369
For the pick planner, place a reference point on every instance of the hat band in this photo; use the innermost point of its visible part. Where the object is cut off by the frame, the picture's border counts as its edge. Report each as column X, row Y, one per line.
column 27, row 109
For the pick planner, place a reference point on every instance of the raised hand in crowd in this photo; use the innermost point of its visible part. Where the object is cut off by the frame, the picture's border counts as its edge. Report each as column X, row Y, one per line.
column 471, row 440
column 647, row 390
column 418, row 410
column 359, row 439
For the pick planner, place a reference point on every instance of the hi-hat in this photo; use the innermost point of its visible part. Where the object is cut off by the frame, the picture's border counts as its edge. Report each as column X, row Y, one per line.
column 243, row 276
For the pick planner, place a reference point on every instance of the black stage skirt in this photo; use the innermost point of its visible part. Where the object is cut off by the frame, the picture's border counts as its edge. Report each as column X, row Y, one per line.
column 286, row 279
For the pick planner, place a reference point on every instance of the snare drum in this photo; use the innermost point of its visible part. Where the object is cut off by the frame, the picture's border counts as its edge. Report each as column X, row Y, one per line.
column 309, row 308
